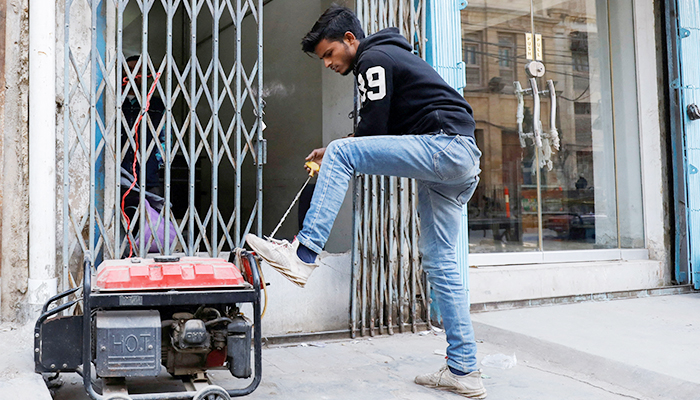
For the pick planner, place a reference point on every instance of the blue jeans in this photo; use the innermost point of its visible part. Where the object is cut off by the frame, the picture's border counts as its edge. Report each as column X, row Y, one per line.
column 446, row 168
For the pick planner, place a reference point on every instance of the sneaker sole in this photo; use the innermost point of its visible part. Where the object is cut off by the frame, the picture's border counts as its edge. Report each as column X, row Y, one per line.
column 284, row 271
column 471, row 395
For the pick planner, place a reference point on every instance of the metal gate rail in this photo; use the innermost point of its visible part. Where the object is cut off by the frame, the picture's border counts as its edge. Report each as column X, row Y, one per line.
column 388, row 288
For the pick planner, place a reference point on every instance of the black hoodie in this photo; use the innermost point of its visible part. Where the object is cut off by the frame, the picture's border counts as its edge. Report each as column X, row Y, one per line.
column 401, row 94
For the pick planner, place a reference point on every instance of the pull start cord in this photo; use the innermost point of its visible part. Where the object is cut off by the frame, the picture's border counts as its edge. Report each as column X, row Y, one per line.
column 314, row 168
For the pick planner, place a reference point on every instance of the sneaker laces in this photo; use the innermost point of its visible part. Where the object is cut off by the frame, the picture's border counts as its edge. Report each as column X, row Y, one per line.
column 282, row 242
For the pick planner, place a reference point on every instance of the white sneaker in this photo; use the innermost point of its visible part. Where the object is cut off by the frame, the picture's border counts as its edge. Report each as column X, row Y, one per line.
column 469, row 385
column 282, row 256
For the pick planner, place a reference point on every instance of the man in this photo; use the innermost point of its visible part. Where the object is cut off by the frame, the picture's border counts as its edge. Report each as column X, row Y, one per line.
column 412, row 125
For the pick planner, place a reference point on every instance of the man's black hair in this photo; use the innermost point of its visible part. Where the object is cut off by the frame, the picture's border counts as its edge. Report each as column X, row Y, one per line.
column 135, row 57
column 332, row 25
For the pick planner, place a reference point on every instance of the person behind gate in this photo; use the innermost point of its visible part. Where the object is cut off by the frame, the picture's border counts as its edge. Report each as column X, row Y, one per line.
column 412, row 125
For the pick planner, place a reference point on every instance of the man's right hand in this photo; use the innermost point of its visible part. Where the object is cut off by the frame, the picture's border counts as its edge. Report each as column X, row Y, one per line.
column 315, row 156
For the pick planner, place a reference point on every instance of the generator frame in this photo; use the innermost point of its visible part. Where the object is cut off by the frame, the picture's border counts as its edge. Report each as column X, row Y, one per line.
column 74, row 345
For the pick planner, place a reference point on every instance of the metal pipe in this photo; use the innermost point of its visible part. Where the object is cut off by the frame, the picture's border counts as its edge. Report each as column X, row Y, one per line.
column 373, row 248
column 93, row 128
column 239, row 120
column 216, row 14
column 168, row 125
column 382, row 266
column 403, row 250
column 119, row 221
column 144, row 131
column 356, row 256
column 261, row 113
column 365, row 246
column 614, row 136
column 190, row 251
column 415, row 264
column 393, row 254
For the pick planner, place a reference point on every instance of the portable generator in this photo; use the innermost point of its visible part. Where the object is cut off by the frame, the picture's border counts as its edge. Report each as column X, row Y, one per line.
column 182, row 314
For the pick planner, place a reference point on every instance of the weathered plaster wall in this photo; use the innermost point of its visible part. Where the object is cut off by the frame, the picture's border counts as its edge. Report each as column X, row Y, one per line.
column 15, row 208
column 3, row 8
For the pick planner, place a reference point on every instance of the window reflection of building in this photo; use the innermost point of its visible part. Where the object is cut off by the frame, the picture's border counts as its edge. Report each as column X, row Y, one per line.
column 473, row 59
column 506, row 57
column 495, row 31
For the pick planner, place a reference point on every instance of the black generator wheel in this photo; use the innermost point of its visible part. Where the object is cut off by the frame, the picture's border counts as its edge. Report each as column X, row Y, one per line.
column 118, row 396
column 212, row 392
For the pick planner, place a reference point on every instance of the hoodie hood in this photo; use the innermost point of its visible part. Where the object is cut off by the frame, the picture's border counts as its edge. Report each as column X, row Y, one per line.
column 388, row 36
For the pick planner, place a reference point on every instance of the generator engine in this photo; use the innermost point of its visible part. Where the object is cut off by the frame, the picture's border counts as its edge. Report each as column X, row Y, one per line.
column 208, row 338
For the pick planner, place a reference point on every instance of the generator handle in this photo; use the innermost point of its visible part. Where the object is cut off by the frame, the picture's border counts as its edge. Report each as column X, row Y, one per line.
column 57, row 297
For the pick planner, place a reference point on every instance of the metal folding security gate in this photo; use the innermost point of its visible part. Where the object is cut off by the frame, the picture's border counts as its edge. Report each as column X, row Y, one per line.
column 202, row 60
column 388, row 287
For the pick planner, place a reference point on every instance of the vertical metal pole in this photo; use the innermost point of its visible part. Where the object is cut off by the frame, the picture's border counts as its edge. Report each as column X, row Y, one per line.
column 239, row 121
column 215, row 130
column 168, row 123
column 356, row 225
column 410, row 22
column 118, row 131
column 66, row 142
column 393, row 255
column 423, row 24
column 373, row 266
column 365, row 251
column 382, row 265
column 144, row 129
column 402, row 20
column 415, row 264
column 194, row 7
column 93, row 122
column 402, row 250
column 614, row 134
column 261, row 113
column 356, row 254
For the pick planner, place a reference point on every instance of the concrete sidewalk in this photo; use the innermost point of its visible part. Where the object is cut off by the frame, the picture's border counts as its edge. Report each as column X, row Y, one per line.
column 643, row 348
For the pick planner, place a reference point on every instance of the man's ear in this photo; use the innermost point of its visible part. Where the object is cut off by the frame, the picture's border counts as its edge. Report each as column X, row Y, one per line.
column 349, row 37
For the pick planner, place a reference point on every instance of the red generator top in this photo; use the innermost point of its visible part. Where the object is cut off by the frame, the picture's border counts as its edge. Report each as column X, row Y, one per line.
column 177, row 273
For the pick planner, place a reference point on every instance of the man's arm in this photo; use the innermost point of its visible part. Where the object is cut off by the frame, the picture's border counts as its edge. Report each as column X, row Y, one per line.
column 375, row 82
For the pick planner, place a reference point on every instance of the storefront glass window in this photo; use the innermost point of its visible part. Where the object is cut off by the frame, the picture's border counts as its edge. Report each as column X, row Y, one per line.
column 589, row 192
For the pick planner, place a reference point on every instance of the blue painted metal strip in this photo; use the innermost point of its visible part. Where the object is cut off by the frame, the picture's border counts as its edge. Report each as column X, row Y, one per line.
column 99, row 135
column 689, row 49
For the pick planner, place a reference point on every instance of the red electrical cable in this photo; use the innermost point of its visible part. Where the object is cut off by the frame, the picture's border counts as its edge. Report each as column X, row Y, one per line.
column 133, row 166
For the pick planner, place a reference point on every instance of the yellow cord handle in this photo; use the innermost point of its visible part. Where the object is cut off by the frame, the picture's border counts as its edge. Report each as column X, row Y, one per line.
column 314, row 168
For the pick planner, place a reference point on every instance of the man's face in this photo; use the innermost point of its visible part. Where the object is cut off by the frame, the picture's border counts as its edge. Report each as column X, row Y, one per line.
column 338, row 55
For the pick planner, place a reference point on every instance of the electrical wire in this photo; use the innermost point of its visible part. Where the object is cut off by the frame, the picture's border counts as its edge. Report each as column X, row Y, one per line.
column 133, row 165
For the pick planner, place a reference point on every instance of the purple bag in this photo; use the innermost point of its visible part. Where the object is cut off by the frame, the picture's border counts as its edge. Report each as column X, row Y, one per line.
column 159, row 224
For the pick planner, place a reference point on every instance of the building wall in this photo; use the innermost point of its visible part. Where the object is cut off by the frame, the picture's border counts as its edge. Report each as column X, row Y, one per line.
column 14, row 181
column 307, row 107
